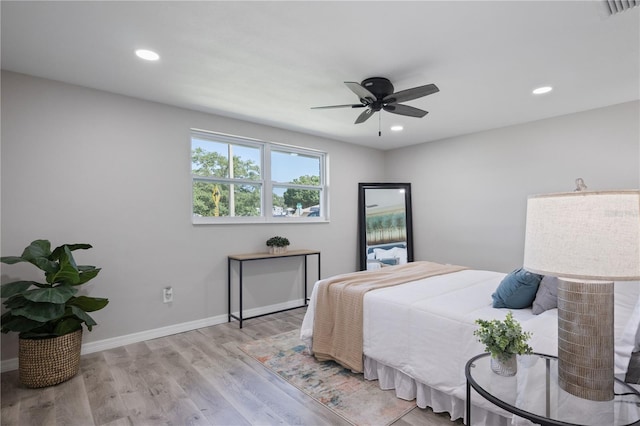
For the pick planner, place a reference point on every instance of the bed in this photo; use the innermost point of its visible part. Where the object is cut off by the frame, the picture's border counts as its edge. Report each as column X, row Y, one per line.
column 382, row 255
column 418, row 336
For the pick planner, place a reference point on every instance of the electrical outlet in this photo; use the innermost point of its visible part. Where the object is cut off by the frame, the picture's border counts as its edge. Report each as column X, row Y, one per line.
column 167, row 295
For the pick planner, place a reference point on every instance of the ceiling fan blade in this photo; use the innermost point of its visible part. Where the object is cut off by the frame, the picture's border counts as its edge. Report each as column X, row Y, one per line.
column 366, row 114
column 340, row 106
column 405, row 110
column 410, row 94
column 360, row 91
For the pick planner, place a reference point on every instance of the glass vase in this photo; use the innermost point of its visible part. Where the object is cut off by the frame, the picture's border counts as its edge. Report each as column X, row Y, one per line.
column 505, row 366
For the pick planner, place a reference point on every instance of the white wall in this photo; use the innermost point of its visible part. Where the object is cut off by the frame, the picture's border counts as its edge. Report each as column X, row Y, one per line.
column 469, row 193
column 81, row 165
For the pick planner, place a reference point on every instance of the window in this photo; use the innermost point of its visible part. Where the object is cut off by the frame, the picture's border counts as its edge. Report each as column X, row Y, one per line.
column 294, row 177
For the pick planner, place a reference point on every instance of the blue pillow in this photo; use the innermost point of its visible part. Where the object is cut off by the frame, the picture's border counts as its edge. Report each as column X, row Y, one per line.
column 517, row 290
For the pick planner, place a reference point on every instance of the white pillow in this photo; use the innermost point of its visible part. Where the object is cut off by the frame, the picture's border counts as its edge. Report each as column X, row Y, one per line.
column 401, row 254
column 385, row 254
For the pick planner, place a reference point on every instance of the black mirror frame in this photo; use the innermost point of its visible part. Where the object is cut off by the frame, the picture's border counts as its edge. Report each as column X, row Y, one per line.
column 362, row 222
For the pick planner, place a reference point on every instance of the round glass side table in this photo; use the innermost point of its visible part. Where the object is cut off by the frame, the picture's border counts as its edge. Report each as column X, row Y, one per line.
column 534, row 394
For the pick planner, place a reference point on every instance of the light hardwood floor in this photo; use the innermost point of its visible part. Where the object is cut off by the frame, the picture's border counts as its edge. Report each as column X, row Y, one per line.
column 194, row 378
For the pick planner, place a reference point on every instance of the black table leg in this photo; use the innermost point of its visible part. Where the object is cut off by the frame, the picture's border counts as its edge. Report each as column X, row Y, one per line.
column 305, row 280
column 240, row 294
column 229, row 288
column 468, row 410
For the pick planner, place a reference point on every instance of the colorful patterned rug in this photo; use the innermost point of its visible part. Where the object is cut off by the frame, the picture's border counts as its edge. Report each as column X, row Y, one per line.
column 359, row 401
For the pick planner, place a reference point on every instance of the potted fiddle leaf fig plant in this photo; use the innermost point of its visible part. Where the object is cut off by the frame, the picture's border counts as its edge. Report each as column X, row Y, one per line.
column 277, row 244
column 49, row 315
column 503, row 340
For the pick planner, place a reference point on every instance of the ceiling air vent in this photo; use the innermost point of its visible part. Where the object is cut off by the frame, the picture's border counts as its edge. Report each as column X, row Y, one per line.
column 616, row 6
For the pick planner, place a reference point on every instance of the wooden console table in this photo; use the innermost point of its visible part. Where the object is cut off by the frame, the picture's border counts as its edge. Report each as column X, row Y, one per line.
column 241, row 258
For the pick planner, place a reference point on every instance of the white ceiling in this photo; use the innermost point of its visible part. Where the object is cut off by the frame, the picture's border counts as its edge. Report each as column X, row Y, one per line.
column 269, row 62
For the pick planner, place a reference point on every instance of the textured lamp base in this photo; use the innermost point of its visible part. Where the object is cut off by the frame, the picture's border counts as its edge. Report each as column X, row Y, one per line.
column 585, row 339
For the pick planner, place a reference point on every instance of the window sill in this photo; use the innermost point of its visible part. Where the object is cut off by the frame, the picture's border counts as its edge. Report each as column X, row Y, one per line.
column 256, row 220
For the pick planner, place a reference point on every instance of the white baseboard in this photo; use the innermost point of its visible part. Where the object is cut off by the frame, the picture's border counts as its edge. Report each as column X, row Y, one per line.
column 127, row 339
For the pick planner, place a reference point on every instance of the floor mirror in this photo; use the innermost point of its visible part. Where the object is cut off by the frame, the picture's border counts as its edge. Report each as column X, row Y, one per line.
column 384, row 225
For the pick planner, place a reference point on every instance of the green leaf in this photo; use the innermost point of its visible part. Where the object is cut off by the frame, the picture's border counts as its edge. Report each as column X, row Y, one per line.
column 16, row 287
column 83, row 316
column 67, row 325
column 83, row 268
column 10, row 260
column 70, row 247
column 16, row 301
column 59, row 294
column 67, row 272
column 38, row 253
column 88, row 304
column 42, row 312
column 18, row 324
column 86, row 275
column 37, row 248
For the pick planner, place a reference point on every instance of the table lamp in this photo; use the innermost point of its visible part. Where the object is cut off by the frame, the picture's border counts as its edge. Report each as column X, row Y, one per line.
column 587, row 239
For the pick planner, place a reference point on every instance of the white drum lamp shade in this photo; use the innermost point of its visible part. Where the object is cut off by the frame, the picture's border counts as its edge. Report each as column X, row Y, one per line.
column 588, row 240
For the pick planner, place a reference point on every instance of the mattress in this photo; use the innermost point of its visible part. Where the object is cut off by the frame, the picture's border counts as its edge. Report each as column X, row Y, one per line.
column 418, row 336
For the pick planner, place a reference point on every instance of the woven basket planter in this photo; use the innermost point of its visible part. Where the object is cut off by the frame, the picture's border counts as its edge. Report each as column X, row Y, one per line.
column 47, row 362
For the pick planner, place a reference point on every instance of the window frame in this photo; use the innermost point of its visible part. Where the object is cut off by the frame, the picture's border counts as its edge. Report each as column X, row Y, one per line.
column 265, row 182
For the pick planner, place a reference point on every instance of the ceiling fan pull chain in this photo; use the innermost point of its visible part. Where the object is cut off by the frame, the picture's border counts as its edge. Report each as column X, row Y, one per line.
column 379, row 125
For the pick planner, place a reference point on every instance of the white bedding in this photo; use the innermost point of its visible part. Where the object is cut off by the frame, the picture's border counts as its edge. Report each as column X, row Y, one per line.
column 418, row 336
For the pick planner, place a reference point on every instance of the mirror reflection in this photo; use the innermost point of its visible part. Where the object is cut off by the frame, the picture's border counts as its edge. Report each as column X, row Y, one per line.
column 385, row 225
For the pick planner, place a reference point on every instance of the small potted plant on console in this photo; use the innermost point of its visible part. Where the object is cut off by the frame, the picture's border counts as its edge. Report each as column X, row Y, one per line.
column 277, row 245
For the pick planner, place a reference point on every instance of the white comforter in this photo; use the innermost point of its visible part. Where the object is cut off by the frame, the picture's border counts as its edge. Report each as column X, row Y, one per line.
column 424, row 329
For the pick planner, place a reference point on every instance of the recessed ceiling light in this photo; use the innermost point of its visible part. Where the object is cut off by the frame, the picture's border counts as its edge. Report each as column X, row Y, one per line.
column 147, row 55
column 542, row 90
column 397, row 128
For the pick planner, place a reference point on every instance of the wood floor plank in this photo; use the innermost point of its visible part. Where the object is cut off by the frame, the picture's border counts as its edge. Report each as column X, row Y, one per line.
column 124, row 421
column 227, row 332
column 143, row 410
column 185, row 412
column 38, row 408
column 128, row 375
column 72, row 404
column 10, row 414
column 104, row 400
column 11, row 395
column 138, row 350
column 198, row 378
column 210, row 401
column 261, row 330
column 166, row 394
column 159, row 343
column 115, row 355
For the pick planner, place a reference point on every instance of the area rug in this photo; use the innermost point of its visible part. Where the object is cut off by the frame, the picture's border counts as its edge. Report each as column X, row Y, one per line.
column 359, row 401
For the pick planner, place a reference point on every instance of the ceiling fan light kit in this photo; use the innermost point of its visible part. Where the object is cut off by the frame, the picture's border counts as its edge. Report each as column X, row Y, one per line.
column 377, row 93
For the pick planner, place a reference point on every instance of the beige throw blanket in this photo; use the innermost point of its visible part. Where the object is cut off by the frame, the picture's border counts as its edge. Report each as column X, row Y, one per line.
column 337, row 326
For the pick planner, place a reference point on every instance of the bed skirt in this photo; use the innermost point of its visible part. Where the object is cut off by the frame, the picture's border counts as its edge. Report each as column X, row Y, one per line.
column 409, row 389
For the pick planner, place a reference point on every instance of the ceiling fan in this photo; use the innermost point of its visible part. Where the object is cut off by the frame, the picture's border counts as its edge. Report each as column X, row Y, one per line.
column 376, row 94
